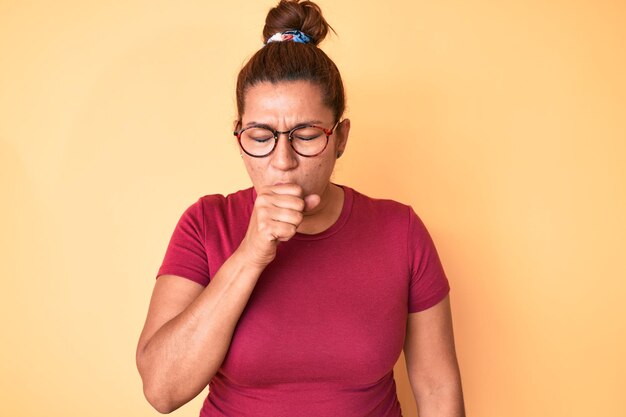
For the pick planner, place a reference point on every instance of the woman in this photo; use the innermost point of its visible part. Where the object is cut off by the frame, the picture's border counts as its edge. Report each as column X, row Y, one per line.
column 295, row 297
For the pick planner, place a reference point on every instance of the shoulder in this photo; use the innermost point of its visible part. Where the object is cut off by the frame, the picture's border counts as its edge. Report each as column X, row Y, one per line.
column 389, row 214
column 236, row 197
column 384, row 208
column 218, row 203
column 217, row 207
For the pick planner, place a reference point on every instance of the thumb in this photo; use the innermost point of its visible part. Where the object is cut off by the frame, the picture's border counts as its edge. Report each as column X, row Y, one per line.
column 311, row 201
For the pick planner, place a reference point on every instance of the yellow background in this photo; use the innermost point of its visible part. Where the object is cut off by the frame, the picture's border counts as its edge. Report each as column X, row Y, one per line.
column 502, row 123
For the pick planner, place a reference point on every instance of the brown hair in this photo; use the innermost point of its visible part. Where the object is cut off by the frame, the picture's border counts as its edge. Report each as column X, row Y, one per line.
column 291, row 61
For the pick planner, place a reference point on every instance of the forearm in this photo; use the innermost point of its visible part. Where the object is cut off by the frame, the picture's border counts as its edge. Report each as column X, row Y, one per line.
column 440, row 400
column 184, row 354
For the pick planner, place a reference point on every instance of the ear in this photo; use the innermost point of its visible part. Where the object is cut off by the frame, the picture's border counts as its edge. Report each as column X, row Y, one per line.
column 341, row 139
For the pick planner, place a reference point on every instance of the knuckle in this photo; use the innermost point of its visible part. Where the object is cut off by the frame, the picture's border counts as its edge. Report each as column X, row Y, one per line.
column 261, row 216
column 297, row 189
column 287, row 230
column 264, row 228
column 261, row 200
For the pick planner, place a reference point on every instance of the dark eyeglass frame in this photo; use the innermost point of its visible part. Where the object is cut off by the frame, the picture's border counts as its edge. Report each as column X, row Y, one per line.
column 289, row 133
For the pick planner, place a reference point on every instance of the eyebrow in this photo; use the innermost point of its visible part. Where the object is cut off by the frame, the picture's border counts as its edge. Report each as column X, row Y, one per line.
column 305, row 122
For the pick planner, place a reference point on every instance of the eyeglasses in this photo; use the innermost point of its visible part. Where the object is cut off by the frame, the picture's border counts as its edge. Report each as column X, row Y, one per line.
column 306, row 140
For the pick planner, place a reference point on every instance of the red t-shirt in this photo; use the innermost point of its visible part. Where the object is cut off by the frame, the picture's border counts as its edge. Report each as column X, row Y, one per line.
column 326, row 321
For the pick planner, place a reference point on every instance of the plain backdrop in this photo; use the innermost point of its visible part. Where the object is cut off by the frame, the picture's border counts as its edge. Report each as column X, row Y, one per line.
column 502, row 123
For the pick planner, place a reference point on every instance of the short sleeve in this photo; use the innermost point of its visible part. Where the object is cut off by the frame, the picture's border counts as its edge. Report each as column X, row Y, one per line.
column 186, row 253
column 429, row 283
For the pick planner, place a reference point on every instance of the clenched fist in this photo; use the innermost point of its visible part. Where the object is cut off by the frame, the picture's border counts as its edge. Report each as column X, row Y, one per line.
column 277, row 213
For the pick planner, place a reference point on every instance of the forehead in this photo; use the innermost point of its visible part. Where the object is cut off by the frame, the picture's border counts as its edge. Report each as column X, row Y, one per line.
column 288, row 101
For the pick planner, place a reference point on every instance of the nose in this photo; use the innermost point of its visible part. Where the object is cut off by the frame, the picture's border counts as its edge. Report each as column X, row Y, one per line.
column 284, row 157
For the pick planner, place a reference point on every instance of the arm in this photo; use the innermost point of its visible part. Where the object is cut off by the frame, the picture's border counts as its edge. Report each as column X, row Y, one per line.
column 431, row 362
column 189, row 328
column 183, row 344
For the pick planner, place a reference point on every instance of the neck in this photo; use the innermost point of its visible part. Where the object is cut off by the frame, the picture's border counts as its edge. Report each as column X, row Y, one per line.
column 326, row 213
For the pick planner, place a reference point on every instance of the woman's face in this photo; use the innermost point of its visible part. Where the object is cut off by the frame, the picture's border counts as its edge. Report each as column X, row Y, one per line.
column 284, row 106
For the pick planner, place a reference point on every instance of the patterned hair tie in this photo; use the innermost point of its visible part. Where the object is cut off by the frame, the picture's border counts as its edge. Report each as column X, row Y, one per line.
column 290, row 35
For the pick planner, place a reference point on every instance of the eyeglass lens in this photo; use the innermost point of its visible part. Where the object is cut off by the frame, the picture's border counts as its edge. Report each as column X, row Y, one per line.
column 306, row 140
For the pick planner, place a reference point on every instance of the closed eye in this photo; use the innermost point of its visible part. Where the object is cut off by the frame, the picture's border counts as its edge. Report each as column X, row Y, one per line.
column 307, row 133
column 258, row 134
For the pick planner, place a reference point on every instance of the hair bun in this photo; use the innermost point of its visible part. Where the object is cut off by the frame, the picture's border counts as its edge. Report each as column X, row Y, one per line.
column 304, row 16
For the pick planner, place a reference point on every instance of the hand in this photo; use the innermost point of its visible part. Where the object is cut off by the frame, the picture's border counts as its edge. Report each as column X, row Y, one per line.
column 277, row 213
